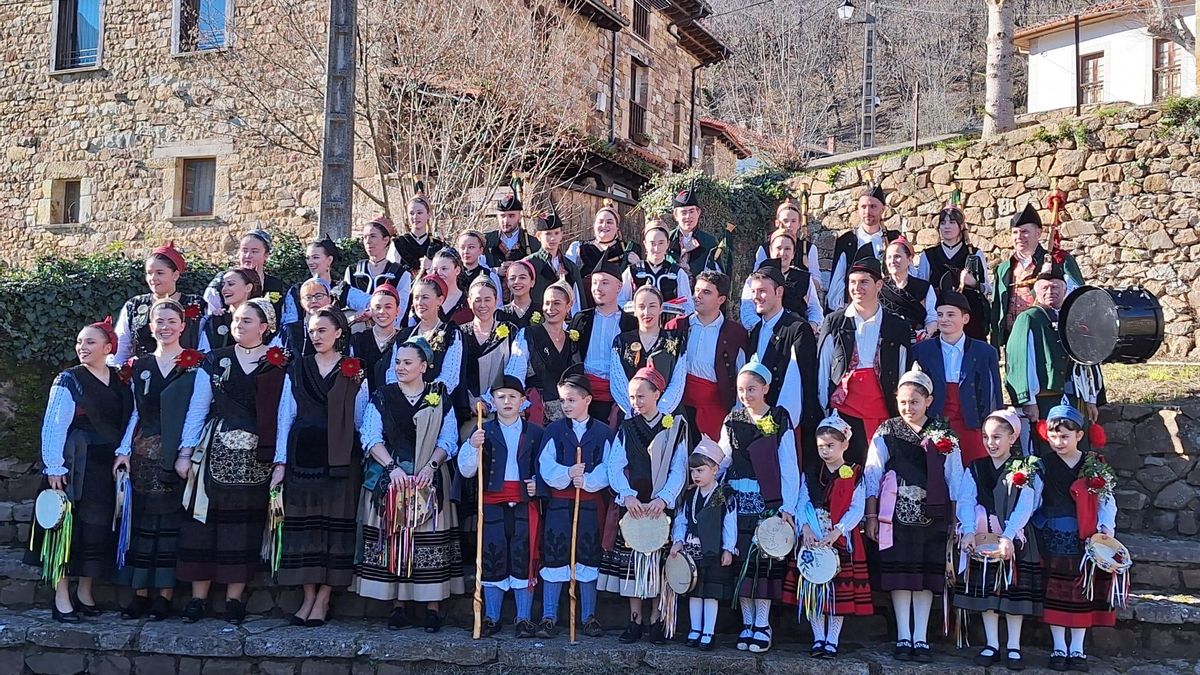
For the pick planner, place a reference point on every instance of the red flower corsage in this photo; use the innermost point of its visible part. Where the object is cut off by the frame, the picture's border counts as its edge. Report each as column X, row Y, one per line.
column 351, row 367
column 276, row 357
column 1019, row 479
column 189, row 359
column 944, row 445
column 192, row 311
column 125, row 374
column 1097, row 483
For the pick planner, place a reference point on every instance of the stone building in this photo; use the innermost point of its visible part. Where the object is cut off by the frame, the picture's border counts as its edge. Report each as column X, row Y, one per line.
column 108, row 142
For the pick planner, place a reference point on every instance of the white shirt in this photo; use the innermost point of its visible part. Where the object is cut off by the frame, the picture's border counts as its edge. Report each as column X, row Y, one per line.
column 765, row 333
column 556, row 475
column 866, row 342
column 835, row 298
column 813, row 312
column 468, row 456
column 669, row 492
column 952, row 357
column 605, row 328
column 984, row 284
column 877, row 459
column 702, row 347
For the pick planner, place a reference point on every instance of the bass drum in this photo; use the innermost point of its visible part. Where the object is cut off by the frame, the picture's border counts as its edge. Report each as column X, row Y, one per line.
column 1101, row 325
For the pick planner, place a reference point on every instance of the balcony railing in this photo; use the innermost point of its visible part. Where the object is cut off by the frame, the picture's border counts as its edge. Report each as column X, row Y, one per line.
column 637, row 124
column 641, row 20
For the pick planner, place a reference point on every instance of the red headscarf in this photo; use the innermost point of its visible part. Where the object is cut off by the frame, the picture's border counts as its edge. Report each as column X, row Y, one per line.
column 106, row 327
column 650, row 374
column 168, row 251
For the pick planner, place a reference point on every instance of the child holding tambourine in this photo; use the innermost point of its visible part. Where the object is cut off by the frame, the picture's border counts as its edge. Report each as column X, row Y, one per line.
column 706, row 531
column 831, row 505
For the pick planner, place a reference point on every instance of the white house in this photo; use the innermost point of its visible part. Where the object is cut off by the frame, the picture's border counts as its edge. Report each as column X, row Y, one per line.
column 1118, row 59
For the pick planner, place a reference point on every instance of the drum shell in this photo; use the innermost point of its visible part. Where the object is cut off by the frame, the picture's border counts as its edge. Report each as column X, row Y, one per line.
column 1138, row 332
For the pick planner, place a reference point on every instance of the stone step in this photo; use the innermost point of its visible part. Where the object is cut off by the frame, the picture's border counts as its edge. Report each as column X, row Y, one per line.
column 15, row 519
column 1164, row 564
column 1164, row 610
column 107, row 645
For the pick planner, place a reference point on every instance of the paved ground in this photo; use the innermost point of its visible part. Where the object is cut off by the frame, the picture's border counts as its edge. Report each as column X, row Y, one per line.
column 270, row 645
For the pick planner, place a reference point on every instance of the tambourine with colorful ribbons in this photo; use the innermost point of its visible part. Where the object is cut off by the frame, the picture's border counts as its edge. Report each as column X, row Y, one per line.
column 52, row 511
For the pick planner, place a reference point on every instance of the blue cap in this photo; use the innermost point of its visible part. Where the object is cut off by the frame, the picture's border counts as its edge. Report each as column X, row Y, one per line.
column 756, row 367
column 1066, row 412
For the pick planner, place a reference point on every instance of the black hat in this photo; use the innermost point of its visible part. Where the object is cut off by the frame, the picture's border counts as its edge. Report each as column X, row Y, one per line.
column 548, row 221
column 1027, row 217
column 878, row 194
column 686, row 197
column 613, row 263
column 868, row 266
column 512, row 201
column 1051, row 271
column 772, row 268
column 953, row 299
column 510, row 382
column 574, row 376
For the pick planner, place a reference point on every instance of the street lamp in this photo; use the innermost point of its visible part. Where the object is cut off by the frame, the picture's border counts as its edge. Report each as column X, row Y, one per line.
column 845, row 12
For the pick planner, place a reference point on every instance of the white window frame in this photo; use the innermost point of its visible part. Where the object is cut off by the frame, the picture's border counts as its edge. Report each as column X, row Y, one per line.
column 176, row 15
column 55, row 9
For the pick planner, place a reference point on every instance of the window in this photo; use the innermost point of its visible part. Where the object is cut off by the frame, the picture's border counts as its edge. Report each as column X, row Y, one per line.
column 641, row 20
column 66, row 200
column 200, row 25
column 639, row 93
column 1091, row 78
column 677, row 134
column 198, row 186
column 1166, row 69
column 72, row 190
column 76, row 34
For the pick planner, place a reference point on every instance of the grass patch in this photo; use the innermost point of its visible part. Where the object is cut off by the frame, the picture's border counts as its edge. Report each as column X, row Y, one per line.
column 1159, row 383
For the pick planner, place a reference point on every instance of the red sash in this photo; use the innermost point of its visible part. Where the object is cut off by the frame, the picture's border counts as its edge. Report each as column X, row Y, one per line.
column 514, row 492
column 864, row 399
column 569, row 495
column 600, row 389
column 841, row 493
column 970, row 441
column 705, row 397
column 1087, row 508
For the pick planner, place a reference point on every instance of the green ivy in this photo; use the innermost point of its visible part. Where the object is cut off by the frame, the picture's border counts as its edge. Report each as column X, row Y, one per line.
column 1179, row 111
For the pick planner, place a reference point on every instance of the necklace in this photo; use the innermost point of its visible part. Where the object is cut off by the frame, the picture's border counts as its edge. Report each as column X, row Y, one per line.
column 249, row 350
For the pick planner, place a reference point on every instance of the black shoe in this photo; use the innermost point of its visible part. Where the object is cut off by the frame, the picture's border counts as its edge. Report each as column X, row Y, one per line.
column 592, row 627
column 744, row 638
column 235, row 611
column 1058, row 661
column 818, row 649
column 433, row 621
column 1077, row 662
column 136, row 608
column 398, row 619
column 525, row 629
column 1014, row 662
column 633, row 633
column 922, row 653
column 988, row 656
column 547, row 629
column 903, row 650
column 160, row 608
column 693, row 638
column 64, row 617
column 760, row 645
column 194, row 610
column 707, row 643
column 295, row 620
column 86, row 610
column 656, row 634
column 489, row 628
column 830, row 650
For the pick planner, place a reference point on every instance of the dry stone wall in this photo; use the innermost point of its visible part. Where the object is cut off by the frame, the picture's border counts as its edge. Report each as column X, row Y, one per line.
column 1133, row 200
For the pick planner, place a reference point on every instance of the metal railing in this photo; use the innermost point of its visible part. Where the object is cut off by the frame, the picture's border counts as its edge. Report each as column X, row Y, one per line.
column 637, row 123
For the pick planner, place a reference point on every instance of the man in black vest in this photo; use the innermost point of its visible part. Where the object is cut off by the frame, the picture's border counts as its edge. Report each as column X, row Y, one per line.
column 868, row 240
column 863, row 351
column 509, row 241
column 549, row 264
column 783, row 342
column 595, row 328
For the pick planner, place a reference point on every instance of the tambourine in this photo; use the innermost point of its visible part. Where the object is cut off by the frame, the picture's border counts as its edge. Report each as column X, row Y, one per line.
column 818, row 564
column 1107, row 554
column 680, row 573
column 776, row 539
column 645, row 535
column 51, row 508
column 122, row 486
column 987, row 548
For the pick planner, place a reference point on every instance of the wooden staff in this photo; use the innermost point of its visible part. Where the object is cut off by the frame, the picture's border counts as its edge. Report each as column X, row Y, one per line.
column 479, row 527
column 574, row 541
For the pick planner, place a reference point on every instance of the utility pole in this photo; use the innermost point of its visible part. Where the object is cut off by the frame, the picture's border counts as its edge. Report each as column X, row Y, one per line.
column 337, row 147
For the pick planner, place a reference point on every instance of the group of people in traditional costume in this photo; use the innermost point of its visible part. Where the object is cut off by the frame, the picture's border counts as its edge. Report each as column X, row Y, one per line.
column 518, row 403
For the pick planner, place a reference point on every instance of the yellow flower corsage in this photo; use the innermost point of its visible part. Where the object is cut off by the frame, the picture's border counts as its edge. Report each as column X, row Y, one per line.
column 574, row 335
column 432, row 398
column 273, row 297
column 668, row 421
column 845, row 472
column 672, row 346
column 535, row 318
column 767, row 425
column 501, row 331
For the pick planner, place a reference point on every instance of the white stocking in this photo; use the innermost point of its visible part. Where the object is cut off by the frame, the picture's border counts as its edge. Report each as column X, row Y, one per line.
column 747, row 606
column 1014, row 630
column 710, row 616
column 991, row 629
column 818, row 628
column 1077, row 635
column 1059, row 635
column 762, row 613
column 695, row 613
column 902, row 606
column 922, row 604
column 835, row 629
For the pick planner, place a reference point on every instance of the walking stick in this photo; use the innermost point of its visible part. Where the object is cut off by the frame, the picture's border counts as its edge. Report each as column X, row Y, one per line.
column 479, row 528
column 574, row 541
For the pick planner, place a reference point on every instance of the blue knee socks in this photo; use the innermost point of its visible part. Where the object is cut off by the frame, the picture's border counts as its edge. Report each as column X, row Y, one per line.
column 493, row 600
column 524, row 603
column 550, row 594
column 587, row 599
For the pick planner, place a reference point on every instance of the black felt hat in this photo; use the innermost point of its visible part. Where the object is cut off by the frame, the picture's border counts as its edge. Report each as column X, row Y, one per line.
column 868, row 266
column 953, row 298
column 512, row 201
column 1029, row 216
column 686, row 197
column 574, row 377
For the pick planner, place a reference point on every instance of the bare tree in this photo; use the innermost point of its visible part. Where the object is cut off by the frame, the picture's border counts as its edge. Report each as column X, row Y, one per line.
column 998, row 110
column 1166, row 22
column 460, row 94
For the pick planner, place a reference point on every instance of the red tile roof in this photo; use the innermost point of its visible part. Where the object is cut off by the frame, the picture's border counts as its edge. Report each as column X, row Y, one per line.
column 1097, row 12
column 727, row 134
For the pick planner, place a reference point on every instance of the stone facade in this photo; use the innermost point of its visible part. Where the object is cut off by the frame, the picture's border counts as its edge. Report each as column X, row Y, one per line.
column 1133, row 200
column 112, row 142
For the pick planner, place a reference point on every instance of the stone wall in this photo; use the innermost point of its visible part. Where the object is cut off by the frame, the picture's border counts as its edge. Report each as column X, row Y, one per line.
column 1133, row 200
